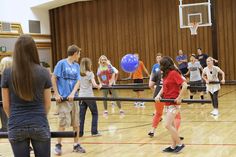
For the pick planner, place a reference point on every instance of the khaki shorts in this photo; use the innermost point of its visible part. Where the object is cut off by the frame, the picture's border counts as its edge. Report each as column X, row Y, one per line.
column 68, row 114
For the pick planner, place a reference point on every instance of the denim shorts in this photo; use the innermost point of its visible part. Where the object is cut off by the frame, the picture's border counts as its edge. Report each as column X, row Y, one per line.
column 34, row 133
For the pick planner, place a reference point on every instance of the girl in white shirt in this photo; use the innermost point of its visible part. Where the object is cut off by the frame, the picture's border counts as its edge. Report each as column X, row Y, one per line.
column 210, row 74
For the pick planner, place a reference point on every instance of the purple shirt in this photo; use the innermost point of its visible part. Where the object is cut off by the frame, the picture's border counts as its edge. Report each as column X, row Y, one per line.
column 184, row 64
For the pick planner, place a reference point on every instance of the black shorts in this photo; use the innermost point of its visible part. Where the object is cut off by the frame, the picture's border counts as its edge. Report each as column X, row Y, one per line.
column 138, row 81
column 198, row 84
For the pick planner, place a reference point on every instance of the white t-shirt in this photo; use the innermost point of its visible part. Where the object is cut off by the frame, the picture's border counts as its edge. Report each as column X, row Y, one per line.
column 212, row 75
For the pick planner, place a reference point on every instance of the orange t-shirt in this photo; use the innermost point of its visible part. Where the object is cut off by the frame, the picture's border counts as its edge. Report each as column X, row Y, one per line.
column 138, row 74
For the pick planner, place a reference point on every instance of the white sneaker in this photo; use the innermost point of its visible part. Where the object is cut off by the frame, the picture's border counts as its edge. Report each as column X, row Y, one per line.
column 136, row 104
column 105, row 113
column 122, row 112
column 142, row 104
column 215, row 112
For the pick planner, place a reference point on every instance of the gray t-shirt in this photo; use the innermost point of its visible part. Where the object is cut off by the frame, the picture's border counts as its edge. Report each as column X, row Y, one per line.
column 28, row 113
column 195, row 74
column 86, row 87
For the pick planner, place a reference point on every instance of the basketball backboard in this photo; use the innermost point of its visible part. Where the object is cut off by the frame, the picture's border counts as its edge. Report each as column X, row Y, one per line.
column 195, row 13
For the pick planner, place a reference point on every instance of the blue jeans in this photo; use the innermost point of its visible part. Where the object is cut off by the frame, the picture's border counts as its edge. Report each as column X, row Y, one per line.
column 92, row 105
column 40, row 138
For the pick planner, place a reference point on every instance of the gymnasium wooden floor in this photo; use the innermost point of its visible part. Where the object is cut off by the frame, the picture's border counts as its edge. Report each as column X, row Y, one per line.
column 127, row 136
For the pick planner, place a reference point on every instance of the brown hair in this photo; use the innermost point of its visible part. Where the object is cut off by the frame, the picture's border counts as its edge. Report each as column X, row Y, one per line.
column 25, row 56
column 167, row 64
column 72, row 49
column 85, row 65
column 159, row 54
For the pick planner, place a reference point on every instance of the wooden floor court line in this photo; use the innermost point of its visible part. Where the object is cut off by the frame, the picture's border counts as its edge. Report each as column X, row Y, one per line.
column 229, row 92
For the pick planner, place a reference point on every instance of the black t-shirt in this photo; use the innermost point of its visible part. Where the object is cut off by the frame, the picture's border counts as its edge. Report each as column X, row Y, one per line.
column 28, row 113
column 202, row 59
column 156, row 77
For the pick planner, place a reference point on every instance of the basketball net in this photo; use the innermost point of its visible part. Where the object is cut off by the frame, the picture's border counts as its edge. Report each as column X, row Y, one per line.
column 193, row 28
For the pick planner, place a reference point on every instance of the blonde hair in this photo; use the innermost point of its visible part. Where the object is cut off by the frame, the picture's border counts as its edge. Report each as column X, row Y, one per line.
column 210, row 58
column 102, row 57
column 6, row 62
column 85, row 65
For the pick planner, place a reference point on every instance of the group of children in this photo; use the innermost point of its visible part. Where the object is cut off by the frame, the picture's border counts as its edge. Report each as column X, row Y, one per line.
column 69, row 77
column 198, row 72
column 174, row 86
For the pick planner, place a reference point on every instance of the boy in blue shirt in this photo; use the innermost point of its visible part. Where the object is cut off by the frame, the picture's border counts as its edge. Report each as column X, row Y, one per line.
column 66, row 80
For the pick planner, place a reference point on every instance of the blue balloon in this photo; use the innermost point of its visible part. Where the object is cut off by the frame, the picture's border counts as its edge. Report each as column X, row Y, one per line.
column 129, row 63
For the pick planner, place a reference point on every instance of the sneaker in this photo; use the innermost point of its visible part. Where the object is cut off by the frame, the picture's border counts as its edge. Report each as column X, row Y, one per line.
column 79, row 149
column 136, row 104
column 178, row 148
column 57, row 150
column 122, row 112
column 142, row 104
column 97, row 134
column 105, row 113
column 215, row 112
column 181, row 138
column 151, row 134
column 169, row 149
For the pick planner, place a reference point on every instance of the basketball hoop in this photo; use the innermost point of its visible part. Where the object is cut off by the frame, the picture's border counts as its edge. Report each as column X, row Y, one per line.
column 193, row 28
column 194, row 15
